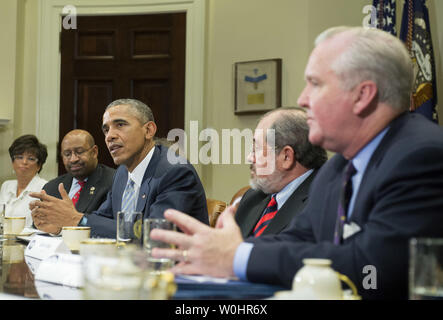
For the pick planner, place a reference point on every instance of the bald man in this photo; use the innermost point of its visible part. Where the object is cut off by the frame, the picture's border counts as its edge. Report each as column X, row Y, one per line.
column 86, row 181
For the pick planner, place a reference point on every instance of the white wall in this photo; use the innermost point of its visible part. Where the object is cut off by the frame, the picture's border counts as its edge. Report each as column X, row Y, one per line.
column 242, row 30
column 18, row 20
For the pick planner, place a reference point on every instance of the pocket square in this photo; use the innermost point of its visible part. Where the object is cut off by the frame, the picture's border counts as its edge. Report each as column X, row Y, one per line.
column 350, row 229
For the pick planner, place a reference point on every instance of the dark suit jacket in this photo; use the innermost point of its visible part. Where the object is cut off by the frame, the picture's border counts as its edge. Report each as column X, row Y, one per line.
column 93, row 193
column 254, row 202
column 164, row 186
column 400, row 197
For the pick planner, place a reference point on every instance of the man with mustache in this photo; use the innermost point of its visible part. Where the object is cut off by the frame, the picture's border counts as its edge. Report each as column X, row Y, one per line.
column 145, row 180
column 282, row 169
column 86, row 181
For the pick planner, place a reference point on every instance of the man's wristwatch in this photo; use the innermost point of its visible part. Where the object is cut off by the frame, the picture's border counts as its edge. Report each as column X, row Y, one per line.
column 83, row 221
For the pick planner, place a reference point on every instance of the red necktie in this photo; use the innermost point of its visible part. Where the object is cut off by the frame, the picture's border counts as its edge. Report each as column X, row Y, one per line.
column 270, row 212
column 77, row 194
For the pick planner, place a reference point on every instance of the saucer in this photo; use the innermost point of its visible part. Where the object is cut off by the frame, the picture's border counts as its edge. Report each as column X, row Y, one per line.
column 25, row 234
column 291, row 295
column 285, row 295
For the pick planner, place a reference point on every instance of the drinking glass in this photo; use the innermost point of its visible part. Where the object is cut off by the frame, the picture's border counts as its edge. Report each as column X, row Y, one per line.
column 129, row 227
column 426, row 269
column 124, row 274
column 149, row 243
column 2, row 215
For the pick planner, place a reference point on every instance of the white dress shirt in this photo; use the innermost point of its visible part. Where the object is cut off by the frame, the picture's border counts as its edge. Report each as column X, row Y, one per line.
column 75, row 187
column 137, row 174
column 19, row 206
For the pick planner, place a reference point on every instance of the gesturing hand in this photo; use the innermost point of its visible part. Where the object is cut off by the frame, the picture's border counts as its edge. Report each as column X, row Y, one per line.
column 200, row 248
column 50, row 214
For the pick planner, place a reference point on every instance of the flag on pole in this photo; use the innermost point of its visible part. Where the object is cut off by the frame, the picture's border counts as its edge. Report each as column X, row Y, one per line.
column 416, row 34
column 386, row 16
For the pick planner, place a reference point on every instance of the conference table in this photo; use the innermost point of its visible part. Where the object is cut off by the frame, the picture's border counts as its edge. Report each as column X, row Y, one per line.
column 18, row 282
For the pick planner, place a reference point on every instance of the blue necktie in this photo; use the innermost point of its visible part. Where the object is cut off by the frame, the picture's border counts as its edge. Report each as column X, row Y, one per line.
column 343, row 204
column 128, row 199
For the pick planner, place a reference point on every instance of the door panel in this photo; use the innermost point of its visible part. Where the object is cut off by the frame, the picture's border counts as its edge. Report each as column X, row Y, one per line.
column 112, row 57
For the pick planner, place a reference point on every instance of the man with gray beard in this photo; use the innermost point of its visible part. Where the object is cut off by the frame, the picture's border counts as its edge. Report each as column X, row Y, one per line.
column 283, row 165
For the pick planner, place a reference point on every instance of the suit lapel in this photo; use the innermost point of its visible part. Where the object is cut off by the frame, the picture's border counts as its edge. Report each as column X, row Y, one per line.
column 88, row 192
column 121, row 176
column 324, row 226
column 329, row 217
column 67, row 182
column 144, row 192
column 366, row 184
column 255, row 214
column 293, row 204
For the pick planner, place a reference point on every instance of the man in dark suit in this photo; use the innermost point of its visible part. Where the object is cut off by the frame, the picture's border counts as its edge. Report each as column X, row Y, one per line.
column 382, row 188
column 296, row 162
column 145, row 173
column 86, row 181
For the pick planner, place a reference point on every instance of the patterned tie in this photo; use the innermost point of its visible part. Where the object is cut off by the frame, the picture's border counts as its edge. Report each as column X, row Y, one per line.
column 77, row 194
column 345, row 198
column 128, row 200
column 268, row 214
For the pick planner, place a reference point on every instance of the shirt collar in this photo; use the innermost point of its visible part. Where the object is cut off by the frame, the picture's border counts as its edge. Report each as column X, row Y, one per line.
column 75, row 180
column 137, row 174
column 289, row 189
column 32, row 185
column 361, row 160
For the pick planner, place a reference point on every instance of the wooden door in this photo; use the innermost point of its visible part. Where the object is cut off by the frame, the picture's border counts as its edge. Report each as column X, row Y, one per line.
column 112, row 57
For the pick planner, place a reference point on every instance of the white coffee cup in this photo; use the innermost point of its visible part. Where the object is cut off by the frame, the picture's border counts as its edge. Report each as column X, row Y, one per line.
column 72, row 236
column 13, row 225
column 316, row 280
column 98, row 246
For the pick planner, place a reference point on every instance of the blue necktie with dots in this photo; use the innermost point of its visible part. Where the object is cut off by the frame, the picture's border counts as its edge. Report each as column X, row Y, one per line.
column 343, row 204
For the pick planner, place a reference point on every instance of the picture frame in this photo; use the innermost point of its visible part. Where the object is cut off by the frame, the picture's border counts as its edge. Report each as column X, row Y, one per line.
column 257, row 86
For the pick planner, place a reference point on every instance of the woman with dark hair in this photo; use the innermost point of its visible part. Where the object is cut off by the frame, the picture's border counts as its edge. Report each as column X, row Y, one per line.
column 28, row 156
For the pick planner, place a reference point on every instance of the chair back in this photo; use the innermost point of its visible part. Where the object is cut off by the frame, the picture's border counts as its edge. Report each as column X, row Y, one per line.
column 215, row 207
column 239, row 194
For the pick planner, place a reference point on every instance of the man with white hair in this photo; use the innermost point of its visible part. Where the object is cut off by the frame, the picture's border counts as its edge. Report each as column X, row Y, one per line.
column 382, row 188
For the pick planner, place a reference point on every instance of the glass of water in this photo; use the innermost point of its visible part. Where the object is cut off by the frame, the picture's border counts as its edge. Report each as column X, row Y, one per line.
column 149, row 244
column 129, row 228
column 124, row 274
column 426, row 269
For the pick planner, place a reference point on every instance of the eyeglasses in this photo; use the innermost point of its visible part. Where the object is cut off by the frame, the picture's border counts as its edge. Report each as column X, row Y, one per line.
column 22, row 158
column 78, row 152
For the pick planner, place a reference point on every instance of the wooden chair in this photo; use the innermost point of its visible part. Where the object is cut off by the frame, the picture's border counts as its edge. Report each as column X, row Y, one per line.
column 215, row 207
column 239, row 194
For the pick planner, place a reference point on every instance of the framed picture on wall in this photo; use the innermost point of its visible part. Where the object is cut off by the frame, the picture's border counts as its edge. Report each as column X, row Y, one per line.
column 257, row 86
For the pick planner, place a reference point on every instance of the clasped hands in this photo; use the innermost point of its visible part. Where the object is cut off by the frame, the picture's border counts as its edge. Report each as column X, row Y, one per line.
column 51, row 214
column 200, row 249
